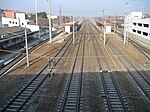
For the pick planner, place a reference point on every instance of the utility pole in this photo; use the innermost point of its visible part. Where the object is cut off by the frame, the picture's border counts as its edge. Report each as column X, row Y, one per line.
column 104, row 28
column 36, row 12
column 142, row 12
column 70, row 18
column 26, row 42
column 125, row 24
column 50, row 30
column 104, row 33
column 103, row 16
column 60, row 18
column 115, row 21
column 73, row 31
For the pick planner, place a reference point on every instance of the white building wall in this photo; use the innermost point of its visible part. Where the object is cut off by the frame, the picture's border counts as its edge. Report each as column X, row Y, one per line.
column 53, row 17
column 67, row 29
column 129, row 19
column 18, row 22
column 136, row 25
column 13, row 22
column 136, row 15
column 142, row 28
column 33, row 28
column 108, row 29
column 20, row 16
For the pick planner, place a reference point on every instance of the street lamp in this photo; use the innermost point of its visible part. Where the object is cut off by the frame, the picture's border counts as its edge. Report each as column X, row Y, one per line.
column 60, row 18
column 115, row 21
column 142, row 11
column 125, row 23
column 124, row 41
column 104, row 32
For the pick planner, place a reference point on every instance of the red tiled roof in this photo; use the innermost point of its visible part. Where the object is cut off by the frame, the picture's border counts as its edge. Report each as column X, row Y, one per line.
column 11, row 10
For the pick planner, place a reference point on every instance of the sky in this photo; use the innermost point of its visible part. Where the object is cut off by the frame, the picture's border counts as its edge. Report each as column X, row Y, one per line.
column 87, row 8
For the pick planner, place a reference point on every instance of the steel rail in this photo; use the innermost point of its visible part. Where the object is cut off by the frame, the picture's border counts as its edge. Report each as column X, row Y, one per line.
column 30, row 88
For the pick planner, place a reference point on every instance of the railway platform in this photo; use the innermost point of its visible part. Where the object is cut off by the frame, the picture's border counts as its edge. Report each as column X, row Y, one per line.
column 60, row 38
column 14, row 51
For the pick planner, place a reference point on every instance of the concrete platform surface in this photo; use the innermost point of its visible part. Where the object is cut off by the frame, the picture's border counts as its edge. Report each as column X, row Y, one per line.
column 60, row 38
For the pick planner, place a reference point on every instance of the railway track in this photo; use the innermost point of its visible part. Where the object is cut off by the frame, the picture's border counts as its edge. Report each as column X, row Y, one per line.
column 113, row 97
column 18, row 102
column 7, row 68
column 114, row 100
column 91, row 85
column 71, row 99
column 10, row 66
column 141, row 82
column 137, row 77
column 141, row 48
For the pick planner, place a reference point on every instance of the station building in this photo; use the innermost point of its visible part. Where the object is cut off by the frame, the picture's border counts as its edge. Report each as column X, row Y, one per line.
column 136, row 24
column 11, row 36
column 68, row 27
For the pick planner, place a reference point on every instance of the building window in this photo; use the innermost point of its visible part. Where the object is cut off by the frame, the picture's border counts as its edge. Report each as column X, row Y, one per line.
column 134, row 30
column 13, row 22
column 134, row 24
column 139, row 24
column 16, row 23
column 139, row 32
column 9, row 21
column 146, row 25
column 22, row 24
column 145, row 34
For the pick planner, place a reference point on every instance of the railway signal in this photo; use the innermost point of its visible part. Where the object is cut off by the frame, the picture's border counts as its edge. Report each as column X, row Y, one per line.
column 51, row 65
